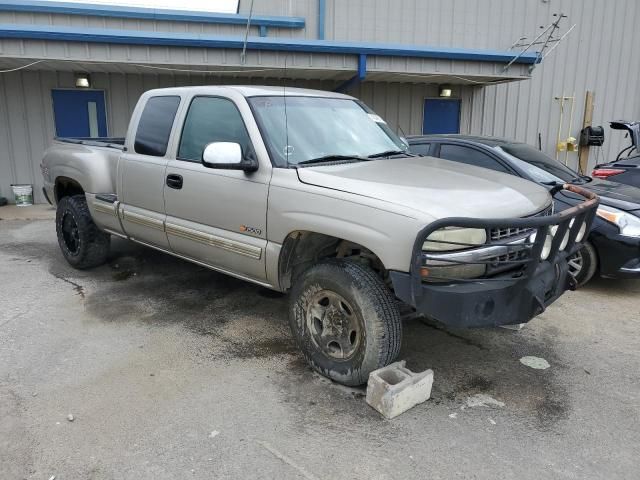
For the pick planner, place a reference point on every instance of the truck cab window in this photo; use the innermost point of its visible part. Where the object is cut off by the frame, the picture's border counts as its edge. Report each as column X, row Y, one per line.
column 212, row 119
column 154, row 127
column 470, row 156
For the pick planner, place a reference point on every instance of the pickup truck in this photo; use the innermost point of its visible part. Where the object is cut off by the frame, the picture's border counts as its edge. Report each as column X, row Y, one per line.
column 311, row 193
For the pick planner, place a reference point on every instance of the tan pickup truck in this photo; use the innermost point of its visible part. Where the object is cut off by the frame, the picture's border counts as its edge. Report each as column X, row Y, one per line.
column 311, row 193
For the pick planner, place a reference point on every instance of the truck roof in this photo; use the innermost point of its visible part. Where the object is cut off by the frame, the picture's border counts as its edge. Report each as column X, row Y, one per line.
column 251, row 91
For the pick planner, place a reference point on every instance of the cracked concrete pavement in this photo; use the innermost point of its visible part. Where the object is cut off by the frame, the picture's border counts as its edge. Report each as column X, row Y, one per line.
column 174, row 371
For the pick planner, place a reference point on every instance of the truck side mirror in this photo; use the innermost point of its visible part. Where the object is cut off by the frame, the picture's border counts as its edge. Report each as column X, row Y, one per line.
column 227, row 155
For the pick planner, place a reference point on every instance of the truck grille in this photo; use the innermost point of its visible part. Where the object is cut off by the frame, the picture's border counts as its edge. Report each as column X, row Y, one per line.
column 508, row 233
column 508, row 261
column 502, row 234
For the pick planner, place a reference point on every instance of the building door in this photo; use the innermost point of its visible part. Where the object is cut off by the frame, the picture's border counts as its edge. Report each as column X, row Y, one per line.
column 441, row 116
column 79, row 113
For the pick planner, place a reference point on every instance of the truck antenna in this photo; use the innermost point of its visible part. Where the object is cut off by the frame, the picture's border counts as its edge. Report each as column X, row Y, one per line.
column 286, row 120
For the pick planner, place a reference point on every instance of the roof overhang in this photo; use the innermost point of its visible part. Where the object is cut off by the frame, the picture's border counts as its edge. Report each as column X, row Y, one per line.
column 190, row 40
column 145, row 51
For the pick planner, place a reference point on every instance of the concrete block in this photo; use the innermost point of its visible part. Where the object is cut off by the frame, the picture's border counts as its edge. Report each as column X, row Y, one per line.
column 394, row 389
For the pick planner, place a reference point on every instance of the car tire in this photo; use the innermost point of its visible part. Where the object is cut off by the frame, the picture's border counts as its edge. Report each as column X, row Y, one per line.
column 82, row 243
column 588, row 260
column 345, row 321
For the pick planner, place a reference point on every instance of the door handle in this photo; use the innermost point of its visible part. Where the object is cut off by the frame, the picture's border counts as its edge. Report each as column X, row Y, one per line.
column 174, row 181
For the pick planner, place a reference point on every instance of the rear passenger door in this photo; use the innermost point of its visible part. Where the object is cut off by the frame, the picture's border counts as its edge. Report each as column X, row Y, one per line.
column 216, row 216
column 471, row 156
column 142, row 173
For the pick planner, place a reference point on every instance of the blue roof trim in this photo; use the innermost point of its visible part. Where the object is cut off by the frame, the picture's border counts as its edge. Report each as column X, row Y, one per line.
column 141, row 13
column 173, row 39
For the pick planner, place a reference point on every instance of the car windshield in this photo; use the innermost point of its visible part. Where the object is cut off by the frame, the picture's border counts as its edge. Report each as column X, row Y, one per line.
column 539, row 167
column 317, row 129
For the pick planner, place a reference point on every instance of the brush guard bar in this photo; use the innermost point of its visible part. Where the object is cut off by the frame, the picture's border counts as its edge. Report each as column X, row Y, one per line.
column 517, row 285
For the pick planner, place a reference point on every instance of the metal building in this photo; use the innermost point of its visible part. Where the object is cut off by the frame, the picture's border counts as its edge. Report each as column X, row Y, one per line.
column 70, row 69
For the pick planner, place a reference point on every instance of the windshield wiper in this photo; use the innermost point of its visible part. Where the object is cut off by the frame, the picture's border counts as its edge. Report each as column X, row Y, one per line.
column 388, row 153
column 331, row 158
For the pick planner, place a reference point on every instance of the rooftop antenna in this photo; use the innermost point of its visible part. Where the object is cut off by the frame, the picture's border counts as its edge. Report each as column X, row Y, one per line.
column 548, row 40
column 243, row 55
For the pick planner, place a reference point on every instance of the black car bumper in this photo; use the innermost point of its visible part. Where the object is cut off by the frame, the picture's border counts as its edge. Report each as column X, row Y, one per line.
column 509, row 297
column 619, row 256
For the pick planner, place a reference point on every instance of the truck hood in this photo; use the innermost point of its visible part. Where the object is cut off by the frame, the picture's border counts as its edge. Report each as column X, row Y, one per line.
column 436, row 188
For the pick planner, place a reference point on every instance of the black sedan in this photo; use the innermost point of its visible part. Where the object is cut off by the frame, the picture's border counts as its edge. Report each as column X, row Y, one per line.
column 613, row 246
column 626, row 167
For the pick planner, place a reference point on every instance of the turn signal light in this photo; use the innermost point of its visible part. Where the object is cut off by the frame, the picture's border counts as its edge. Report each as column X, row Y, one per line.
column 606, row 172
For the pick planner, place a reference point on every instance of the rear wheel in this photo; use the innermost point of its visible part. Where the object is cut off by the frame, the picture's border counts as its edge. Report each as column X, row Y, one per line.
column 345, row 320
column 583, row 264
column 81, row 242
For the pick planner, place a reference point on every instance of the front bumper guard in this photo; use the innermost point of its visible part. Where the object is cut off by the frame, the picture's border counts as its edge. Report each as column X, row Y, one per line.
column 528, row 286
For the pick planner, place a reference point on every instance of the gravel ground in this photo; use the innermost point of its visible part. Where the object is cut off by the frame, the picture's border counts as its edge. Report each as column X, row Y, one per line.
column 172, row 371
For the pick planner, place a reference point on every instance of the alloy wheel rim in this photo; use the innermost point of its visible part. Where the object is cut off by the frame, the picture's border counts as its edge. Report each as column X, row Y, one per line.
column 334, row 325
column 575, row 264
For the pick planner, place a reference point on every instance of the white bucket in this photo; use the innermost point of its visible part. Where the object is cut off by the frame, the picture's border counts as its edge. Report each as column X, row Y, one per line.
column 23, row 194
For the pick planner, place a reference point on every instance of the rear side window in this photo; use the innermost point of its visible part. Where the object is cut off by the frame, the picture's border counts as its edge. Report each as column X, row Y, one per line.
column 470, row 156
column 421, row 148
column 209, row 120
column 154, row 127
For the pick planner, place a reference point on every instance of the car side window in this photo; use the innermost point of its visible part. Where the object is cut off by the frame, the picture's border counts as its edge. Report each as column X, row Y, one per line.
column 212, row 119
column 154, row 127
column 420, row 148
column 470, row 156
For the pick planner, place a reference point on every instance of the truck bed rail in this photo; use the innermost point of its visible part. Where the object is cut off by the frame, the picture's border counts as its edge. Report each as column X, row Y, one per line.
column 109, row 142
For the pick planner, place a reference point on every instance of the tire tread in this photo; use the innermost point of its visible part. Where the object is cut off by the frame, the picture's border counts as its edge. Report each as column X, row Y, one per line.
column 96, row 241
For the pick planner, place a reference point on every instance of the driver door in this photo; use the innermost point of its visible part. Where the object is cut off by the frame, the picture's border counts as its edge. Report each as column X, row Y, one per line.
column 216, row 216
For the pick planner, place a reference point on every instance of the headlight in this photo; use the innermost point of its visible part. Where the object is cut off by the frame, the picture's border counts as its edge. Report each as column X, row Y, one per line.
column 629, row 225
column 454, row 238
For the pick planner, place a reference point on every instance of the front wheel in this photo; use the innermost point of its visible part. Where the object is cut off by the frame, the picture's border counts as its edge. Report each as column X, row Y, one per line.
column 345, row 320
column 82, row 243
column 583, row 264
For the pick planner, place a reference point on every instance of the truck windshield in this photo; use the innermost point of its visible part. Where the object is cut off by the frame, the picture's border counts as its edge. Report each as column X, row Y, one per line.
column 323, row 129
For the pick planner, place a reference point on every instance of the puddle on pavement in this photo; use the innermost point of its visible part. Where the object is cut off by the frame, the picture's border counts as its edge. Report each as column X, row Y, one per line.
column 125, row 267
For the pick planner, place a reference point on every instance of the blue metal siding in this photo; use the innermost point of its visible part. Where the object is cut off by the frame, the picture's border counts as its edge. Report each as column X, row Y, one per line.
column 130, row 37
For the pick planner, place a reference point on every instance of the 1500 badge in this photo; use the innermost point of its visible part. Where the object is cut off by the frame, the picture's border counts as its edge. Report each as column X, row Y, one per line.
column 251, row 230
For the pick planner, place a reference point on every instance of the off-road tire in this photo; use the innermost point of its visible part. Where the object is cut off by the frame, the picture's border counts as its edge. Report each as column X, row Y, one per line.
column 589, row 264
column 87, row 246
column 374, row 308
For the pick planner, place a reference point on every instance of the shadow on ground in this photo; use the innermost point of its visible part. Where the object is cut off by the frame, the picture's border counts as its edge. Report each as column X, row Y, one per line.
column 246, row 321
